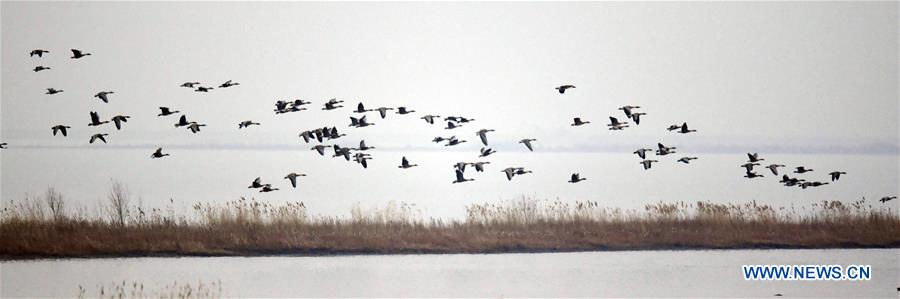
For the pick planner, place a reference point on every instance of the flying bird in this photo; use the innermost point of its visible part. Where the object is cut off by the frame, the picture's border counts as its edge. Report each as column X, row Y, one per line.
column 190, row 84
column 684, row 129
column 886, row 199
column 576, row 178
column 165, row 111
column 664, row 150
column 95, row 120
column 293, row 178
column 320, row 148
column 627, row 110
column 486, row 151
column 405, row 164
column 103, row 96
column 3, row 145
column 228, row 84
column 673, row 127
column 38, row 52
column 577, row 122
column 60, row 128
column 614, row 124
column 636, row 116
column 451, row 125
column 158, row 154
column 40, row 68
column 203, row 89
column 836, row 175
column 78, row 54
column 642, row 152
column 562, row 89
column 182, row 121
column 754, row 157
column 195, row 127
column 383, row 111
column 267, row 188
column 53, row 90
column 647, row 163
column 483, row 135
column 98, row 136
column 527, row 143
column 246, row 123
column 361, row 109
column 802, row 169
column 428, row 118
column 402, row 110
column 119, row 119
column 257, row 183
column 453, row 141
column 686, row 160
column 460, row 178
column 479, row 166
column 751, row 175
column 774, row 168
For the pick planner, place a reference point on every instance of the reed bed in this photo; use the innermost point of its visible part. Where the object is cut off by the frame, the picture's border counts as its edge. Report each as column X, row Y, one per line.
column 136, row 290
column 45, row 227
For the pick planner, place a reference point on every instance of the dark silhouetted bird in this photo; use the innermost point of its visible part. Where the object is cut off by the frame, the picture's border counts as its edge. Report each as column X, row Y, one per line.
column 562, row 89
column 576, row 178
column 104, row 96
column 78, row 54
column 158, row 154
column 98, row 137
column 60, row 128
column 38, row 52
column 40, row 68
column 95, row 120
column 165, row 111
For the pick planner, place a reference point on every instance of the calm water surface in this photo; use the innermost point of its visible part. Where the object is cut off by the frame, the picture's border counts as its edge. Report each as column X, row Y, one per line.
column 586, row 274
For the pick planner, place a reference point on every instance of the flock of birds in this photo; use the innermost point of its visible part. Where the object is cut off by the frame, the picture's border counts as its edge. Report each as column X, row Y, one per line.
column 358, row 154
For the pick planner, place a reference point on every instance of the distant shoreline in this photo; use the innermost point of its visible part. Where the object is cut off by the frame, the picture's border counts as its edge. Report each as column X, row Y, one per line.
column 334, row 253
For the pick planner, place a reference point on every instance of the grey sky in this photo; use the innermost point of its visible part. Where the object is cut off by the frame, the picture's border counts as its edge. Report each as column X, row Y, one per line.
column 744, row 74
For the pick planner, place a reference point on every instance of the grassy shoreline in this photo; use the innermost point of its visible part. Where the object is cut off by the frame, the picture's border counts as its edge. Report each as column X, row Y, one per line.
column 41, row 229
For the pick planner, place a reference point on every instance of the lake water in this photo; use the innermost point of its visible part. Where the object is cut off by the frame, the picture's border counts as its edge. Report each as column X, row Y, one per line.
column 333, row 185
column 714, row 273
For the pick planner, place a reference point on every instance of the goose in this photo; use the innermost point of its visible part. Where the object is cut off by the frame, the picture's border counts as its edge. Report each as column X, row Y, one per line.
column 40, row 68
column 479, row 166
column 246, row 124
column 341, row 152
column 257, row 183
column 636, row 116
column 460, row 178
column 510, row 172
column 300, row 102
column 576, row 177
column 836, row 175
column 627, row 110
column 562, row 89
column 647, row 163
column 104, row 96
column 405, row 163
column 319, row 134
column 363, row 147
column 61, row 129
column 673, row 127
column 439, row 139
column 614, row 124
column 383, row 111
column 281, row 107
column 333, row 134
column 38, row 52
column 293, row 178
column 360, row 123
column 453, row 141
column 664, row 150
column 95, row 120
column 486, row 151
column 751, row 175
column 228, row 84
column 78, row 54
column 267, row 188
column 463, row 120
column 119, row 119
column 749, row 166
column 451, row 126
column 3, row 145
column 331, row 106
column 483, row 135
column 203, row 89
column 99, row 136
column 684, row 129
column 577, row 122
column 882, row 200
column 788, row 181
column 805, row 185
column 361, row 109
column 189, row 84
column 361, row 158
column 195, row 127
column 774, row 168
column 158, row 154
column 802, row 169
column 521, row 171
column 296, row 106
column 402, row 110
column 686, row 160
column 428, row 118
column 335, row 101
column 754, row 157
column 182, row 121
column 527, row 143
column 53, row 90
column 165, row 111
column 461, row 166
column 642, row 152
column 452, row 118
column 320, row 148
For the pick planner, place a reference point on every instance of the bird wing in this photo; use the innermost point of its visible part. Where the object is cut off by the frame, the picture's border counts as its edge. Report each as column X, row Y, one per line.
column 95, row 118
column 293, row 181
column 404, row 162
column 483, row 137
column 102, row 97
column 577, row 120
column 574, row 177
column 101, row 138
column 118, row 121
column 183, row 119
column 509, row 174
column 381, row 111
column 459, row 176
column 76, row 52
column 528, row 145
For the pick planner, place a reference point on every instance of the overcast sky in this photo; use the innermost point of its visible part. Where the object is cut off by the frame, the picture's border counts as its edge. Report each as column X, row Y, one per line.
column 786, row 75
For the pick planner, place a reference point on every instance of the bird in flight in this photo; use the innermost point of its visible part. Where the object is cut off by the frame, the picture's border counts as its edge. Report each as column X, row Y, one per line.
column 78, row 54
column 562, row 89
column 38, row 52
